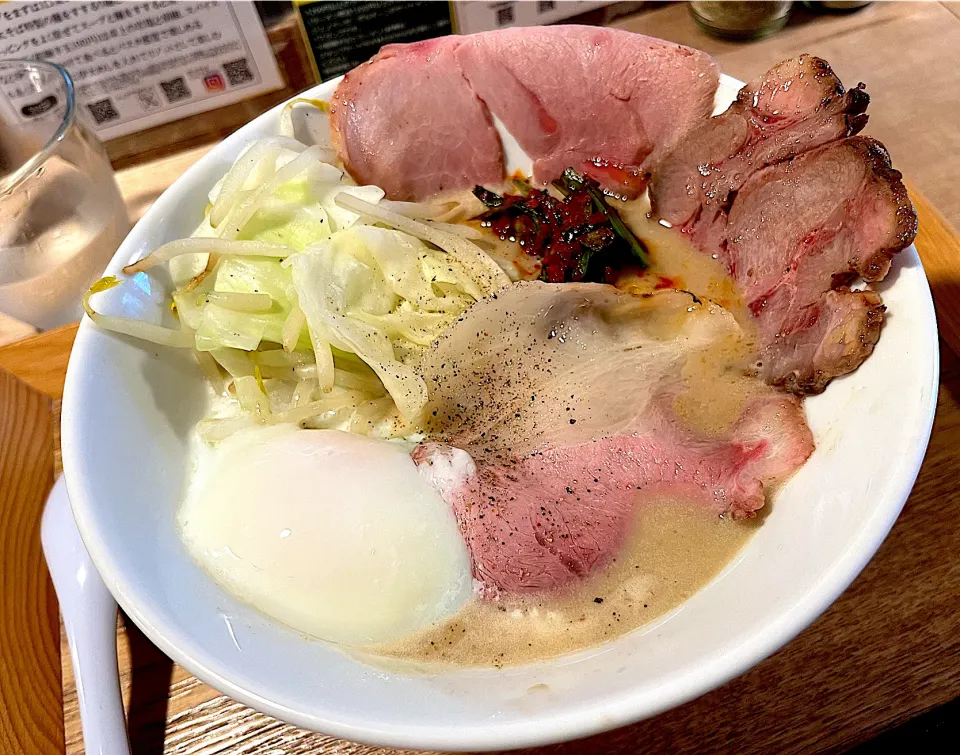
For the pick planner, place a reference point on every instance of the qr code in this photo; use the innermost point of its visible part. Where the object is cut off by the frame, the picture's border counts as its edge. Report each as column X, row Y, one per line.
column 103, row 111
column 175, row 89
column 238, row 72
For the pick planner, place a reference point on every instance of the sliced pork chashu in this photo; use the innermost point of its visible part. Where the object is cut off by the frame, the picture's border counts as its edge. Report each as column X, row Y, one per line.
column 798, row 210
column 798, row 233
column 559, row 408
column 407, row 121
column 606, row 102
column 416, row 119
column 797, row 105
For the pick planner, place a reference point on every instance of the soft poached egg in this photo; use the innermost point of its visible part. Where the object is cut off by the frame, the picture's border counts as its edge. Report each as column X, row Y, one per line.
column 333, row 534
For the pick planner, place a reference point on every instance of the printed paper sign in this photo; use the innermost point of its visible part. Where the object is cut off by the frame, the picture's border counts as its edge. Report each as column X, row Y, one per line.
column 140, row 64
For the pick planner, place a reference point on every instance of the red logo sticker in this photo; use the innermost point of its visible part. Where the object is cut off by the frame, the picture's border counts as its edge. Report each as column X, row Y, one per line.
column 214, row 82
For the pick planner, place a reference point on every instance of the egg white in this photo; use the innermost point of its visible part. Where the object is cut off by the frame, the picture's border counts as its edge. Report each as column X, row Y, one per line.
column 334, row 534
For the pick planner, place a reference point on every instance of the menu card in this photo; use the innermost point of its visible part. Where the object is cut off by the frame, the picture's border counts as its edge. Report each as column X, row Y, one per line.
column 140, row 64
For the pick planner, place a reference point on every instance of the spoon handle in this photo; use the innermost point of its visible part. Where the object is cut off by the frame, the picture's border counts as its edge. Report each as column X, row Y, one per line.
column 90, row 619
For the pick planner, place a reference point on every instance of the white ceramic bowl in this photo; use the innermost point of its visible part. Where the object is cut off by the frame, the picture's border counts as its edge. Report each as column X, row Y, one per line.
column 128, row 409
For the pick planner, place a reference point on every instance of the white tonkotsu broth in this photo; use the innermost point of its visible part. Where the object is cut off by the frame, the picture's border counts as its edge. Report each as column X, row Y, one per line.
column 334, row 534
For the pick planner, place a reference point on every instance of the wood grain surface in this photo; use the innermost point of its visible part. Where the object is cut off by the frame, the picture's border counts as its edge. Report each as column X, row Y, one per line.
column 31, row 717
column 12, row 330
column 41, row 361
column 941, row 262
column 141, row 185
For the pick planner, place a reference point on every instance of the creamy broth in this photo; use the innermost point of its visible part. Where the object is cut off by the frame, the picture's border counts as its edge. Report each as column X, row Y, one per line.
column 717, row 384
column 675, row 262
column 674, row 550
column 675, row 546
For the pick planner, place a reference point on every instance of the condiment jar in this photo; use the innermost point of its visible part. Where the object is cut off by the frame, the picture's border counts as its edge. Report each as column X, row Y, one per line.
column 740, row 20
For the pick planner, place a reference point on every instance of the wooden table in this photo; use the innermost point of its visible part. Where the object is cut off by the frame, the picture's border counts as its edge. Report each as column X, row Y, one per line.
column 886, row 651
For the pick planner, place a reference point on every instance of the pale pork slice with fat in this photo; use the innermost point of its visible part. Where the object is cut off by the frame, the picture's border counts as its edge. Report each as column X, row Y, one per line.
column 555, row 410
column 408, row 122
column 606, row 102
column 416, row 119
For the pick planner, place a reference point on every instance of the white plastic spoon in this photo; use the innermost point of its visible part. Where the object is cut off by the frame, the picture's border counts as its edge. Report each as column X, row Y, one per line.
column 90, row 618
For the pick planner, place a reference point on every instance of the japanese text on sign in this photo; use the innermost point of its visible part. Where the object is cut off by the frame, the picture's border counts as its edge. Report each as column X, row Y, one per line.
column 141, row 64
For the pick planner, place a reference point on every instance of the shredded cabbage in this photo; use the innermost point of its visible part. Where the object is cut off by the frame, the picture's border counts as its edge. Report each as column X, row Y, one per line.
column 309, row 299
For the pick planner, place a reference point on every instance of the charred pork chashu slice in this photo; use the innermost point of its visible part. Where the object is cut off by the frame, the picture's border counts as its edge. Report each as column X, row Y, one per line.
column 798, row 233
column 797, row 105
column 798, row 209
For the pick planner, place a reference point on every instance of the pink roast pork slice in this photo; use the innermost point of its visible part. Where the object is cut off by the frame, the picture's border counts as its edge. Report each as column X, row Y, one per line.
column 407, row 122
column 555, row 410
column 545, row 519
column 416, row 121
column 606, row 102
